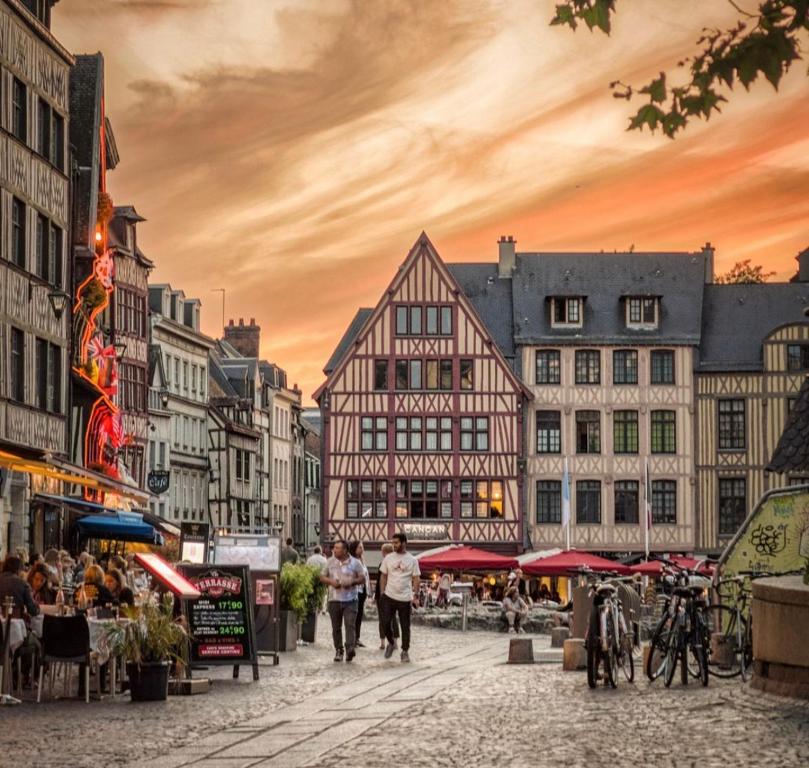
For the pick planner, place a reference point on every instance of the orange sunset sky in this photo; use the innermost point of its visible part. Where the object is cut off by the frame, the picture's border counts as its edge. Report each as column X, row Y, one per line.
column 291, row 151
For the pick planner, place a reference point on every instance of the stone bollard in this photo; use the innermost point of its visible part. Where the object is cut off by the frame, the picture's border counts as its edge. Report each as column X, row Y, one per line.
column 558, row 636
column 575, row 655
column 521, row 651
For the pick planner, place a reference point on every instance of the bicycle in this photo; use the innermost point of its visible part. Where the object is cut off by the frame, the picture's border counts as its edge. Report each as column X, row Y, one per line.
column 731, row 626
column 682, row 635
column 609, row 641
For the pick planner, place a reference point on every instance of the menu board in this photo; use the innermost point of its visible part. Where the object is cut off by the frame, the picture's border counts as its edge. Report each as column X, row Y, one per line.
column 194, row 542
column 221, row 619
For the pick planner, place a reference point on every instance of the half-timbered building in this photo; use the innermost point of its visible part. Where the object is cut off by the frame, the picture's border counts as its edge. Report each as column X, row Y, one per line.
column 422, row 417
column 607, row 343
column 34, row 273
column 754, row 358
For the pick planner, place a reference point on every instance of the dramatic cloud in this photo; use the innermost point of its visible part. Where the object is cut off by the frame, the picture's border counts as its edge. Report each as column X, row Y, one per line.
column 291, row 152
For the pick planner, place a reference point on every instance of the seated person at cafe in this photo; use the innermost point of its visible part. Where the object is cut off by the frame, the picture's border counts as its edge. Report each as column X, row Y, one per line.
column 514, row 609
column 94, row 588
column 17, row 588
column 39, row 577
column 114, row 582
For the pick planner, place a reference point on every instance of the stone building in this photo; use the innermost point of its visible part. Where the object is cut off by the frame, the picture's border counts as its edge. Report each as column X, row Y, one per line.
column 184, row 353
column 311, row 483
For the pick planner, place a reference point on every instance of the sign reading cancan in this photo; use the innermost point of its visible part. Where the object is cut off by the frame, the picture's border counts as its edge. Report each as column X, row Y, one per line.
column 220, row 621
column 426, row 531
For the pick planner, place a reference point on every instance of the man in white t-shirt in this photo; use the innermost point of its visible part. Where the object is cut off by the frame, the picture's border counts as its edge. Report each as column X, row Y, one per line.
column 399, row 583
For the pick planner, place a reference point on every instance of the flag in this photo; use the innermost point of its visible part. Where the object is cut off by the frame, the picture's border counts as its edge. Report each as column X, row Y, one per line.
column 566, row 505
column 648, row 500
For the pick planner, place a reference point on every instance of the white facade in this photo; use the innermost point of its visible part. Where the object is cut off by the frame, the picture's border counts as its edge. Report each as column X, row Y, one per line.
column 184, row 350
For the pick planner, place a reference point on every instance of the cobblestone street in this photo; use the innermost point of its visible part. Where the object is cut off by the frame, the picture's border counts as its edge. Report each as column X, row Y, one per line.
column 457, row 704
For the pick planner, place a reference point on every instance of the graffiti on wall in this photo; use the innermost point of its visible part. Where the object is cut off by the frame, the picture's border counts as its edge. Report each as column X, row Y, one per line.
column 775, row 537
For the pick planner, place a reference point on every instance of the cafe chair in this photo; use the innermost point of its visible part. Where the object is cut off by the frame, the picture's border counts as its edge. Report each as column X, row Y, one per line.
column 65, row 640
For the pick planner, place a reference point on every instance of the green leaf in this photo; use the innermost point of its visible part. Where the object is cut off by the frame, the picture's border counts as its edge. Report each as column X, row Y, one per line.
column 602, row 15
column 649, row 115
column 672, row 123
column 748, row 69
column 564, row 15
column 656, row 89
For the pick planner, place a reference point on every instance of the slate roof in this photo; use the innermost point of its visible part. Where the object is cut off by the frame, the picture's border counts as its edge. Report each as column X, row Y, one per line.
column 220, row 377
column 792, row 452
column 737, row 318
column 86, row 91
column 606, row 279
column 492, row 299
column 348, row 338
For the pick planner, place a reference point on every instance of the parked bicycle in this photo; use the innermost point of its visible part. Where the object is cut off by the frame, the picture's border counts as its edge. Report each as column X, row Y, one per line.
column 683, row 635
column 609, row 641
column 731, row 624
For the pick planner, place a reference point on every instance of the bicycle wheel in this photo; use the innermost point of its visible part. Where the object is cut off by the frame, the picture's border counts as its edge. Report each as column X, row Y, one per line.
column 656, row 658
column 701, row 660
column 727, row 629
column 610, row 656
column 746, row 656
column 672, row 653
column 684, row 673
column 626, row 661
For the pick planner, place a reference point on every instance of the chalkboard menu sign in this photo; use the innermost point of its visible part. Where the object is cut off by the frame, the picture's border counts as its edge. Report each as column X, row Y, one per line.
column 221, row 620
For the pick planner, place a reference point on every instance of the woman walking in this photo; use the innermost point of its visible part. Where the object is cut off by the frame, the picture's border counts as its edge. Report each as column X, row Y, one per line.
column 356, row 549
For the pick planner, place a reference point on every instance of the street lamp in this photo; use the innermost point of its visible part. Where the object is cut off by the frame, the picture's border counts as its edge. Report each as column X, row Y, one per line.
column 317, row 529
column 58, row 300
column 164, row 396
column 278, row 526
column 120, row 350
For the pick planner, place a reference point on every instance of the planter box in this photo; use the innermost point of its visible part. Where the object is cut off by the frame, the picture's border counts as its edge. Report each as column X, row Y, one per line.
column 148, row 682
column 309, row 628
column 288, row 632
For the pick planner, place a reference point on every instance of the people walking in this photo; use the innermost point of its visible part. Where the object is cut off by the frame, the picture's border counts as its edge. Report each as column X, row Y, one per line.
column 399, row 574
column 288, row 553
column 357, row 550
column 343, row 573
column 379, row 599
column 318, row 560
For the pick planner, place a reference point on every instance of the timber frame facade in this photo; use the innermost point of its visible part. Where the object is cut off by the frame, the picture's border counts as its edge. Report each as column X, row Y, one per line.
column 423, row 421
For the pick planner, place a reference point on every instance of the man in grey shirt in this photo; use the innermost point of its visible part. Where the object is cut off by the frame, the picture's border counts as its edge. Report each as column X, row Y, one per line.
column 343, row 573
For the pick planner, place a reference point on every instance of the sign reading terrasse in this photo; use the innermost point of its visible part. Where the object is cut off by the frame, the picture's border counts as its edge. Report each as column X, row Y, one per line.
column 221, row 620
column 426, row 531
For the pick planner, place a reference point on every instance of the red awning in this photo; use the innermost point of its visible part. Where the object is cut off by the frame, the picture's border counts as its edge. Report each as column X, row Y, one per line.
column 655, row 567
column 467, row 559
column 565, row 562
column 166, row 575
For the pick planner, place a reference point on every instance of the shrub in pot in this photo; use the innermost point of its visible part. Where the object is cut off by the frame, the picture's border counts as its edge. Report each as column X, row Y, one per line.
column 309, row 628
column 149, row 643
column 298, row 582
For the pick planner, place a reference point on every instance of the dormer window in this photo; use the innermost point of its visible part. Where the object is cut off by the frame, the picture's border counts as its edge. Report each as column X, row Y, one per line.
column 566, row 311
column 642, row 312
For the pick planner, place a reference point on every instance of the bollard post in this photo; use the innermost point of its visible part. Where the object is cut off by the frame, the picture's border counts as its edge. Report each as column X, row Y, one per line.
column 464, row 606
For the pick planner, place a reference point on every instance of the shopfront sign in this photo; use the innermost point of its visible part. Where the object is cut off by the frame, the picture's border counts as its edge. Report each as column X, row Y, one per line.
column 194, row 542
column 426, row 531
column 220, row 621
column 158, row 482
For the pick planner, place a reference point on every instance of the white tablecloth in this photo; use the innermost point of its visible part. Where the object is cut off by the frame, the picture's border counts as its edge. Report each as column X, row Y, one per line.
column 18, row 634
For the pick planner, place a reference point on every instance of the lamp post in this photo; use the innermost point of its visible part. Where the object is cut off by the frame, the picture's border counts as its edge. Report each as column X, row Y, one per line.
column 58, row 301
column 164, row 396
column 120, row 350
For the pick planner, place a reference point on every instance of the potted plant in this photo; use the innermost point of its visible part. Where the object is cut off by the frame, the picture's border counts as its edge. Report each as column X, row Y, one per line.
column 149, row 643
column 309, row 627
column 297, row 586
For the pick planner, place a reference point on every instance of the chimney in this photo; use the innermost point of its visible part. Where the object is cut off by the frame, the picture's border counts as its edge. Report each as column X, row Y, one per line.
column 507, row 256
column 244, row 338
column 708, row 253
column 803, row 266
